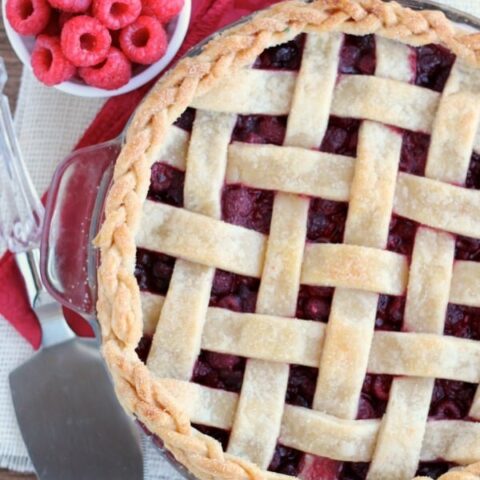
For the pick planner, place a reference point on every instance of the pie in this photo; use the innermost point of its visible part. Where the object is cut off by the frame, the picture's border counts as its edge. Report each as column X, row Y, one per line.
column 290, row 257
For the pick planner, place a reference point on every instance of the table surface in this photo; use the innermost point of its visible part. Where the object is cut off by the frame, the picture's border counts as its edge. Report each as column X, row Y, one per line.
column 14, row 69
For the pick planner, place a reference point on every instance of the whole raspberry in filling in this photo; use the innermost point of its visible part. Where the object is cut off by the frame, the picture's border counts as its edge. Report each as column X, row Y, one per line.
column 326, row 221
column 434, row 64
column 166, row 184
column 374, row 397
column 234, row 292
column 401, row 236
column 287, row 56
column 153, row 271
column 219, row 370
column 463, row 321
column 301, row 385
column 413, row 158
column 247, row 207
column 358, row 55
column 390, row 312
column 341, row 136
column 314, row 303
column 451, row 400
column 260, row 129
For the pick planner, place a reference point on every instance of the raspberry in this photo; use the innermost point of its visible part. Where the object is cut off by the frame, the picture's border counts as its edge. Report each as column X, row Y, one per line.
column 164, row 10
column 85, row 41
column 72, row 6
column 144, row 41
column 116, row 14
column 28, row 17
column 48, row 62
column 114, row 72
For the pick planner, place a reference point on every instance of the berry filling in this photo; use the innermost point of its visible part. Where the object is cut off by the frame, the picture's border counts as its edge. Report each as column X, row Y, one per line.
column 358, row 56
column 252, row 208
column 287, row 56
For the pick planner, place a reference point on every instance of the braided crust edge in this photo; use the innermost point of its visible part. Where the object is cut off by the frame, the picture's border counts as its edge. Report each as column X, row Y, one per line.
column 119, row 307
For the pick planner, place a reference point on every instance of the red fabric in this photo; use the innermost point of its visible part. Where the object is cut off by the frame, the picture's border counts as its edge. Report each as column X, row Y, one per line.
column 207, row 17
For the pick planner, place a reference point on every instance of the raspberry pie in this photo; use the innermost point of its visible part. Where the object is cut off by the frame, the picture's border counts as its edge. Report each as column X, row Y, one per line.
column 290, row 258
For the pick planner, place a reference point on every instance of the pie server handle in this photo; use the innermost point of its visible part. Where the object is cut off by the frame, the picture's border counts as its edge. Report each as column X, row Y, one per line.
column 73, row 215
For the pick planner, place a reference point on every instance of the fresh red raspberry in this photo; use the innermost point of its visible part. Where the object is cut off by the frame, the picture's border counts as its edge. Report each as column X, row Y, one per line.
column 116, row 14
column 85, row 41
column 48, row 61
column 28, row 17
column 144, row 41
column 72, row 6
column 112, row 73
column 164, row 10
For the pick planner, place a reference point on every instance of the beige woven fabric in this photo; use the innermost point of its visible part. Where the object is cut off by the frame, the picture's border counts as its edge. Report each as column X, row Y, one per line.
column 49, row 124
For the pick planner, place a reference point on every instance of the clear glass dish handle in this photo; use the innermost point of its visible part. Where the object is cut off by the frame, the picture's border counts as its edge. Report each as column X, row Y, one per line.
column 72, row 218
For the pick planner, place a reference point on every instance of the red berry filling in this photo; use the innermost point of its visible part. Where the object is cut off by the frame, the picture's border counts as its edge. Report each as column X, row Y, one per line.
column 467, row 248
column 341, row 136
column 28, row 17
column 413, row 158
column 287, row 56
column 390, row 312
column 374, row 397
column 301, row 385
column 326, row 221
column 166, row 184
column 451, row 400
column 260, row 129
column 401, row 236
column 314, row 303
column 186, row 119
column 473, row 176
column 234, row 292
column 358, row 55
column 216, row 433
column 153, row 271
column 463, row 321
column 247, row 207
column 434, row 64
column 218, row 370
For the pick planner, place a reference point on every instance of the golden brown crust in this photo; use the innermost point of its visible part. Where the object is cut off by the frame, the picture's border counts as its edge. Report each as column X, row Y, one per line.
column 119, row 309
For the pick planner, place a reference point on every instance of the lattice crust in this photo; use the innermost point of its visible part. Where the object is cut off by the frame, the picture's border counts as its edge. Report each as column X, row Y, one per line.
column 220, row 84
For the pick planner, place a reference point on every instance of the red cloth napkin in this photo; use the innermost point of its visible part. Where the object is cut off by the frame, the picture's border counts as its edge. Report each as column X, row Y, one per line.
column 207, row 17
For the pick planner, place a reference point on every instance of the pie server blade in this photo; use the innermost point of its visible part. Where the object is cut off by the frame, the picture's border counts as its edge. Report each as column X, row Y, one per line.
column 54, row 395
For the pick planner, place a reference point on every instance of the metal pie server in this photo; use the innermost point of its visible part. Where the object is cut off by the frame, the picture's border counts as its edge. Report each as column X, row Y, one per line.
column 69, row 417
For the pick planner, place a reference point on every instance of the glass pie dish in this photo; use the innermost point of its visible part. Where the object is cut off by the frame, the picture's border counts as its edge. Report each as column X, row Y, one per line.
column 72, row 277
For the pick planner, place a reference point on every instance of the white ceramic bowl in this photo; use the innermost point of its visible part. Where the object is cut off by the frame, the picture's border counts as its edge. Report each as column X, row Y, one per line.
column 176, row 31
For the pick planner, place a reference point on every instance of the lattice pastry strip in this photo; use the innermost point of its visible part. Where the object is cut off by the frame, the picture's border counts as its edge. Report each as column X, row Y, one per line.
column 176, row 343
column 259, row 414
column 352, row 317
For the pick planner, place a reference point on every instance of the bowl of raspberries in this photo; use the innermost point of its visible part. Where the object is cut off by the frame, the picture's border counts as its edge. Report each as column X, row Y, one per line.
column 96, row 48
